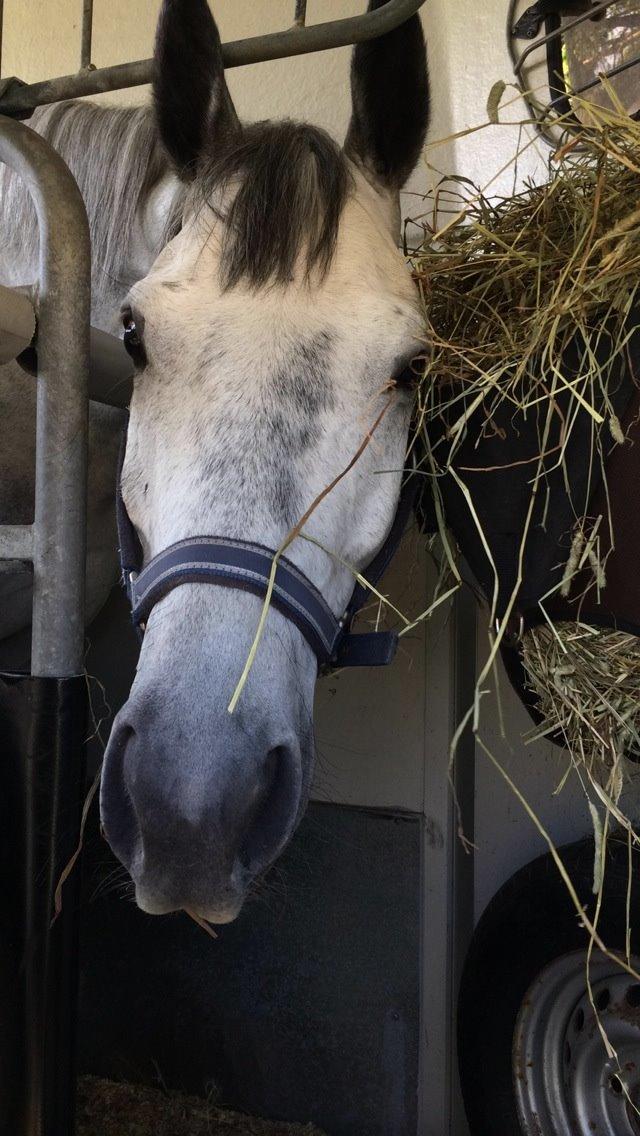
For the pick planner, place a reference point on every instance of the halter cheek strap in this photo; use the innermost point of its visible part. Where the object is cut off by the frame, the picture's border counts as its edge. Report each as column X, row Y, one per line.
column 247, row 566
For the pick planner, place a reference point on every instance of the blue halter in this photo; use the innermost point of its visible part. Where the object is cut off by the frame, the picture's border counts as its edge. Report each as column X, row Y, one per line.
column 246, row 566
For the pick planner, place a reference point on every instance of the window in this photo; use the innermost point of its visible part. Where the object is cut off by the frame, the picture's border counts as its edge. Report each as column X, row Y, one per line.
column 572, row 43
column 610, row 43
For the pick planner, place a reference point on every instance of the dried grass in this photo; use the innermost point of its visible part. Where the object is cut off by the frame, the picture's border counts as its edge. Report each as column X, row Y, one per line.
column 587, row 684
column 507, row 283
column 507, row 286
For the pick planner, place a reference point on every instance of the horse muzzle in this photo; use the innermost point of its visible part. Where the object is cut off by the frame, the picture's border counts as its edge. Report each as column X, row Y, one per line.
column 194, row 834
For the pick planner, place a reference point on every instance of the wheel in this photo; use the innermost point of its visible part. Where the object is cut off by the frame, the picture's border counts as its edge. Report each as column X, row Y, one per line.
column 532, row 1059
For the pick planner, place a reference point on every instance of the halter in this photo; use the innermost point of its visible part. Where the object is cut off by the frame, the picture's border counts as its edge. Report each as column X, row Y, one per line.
column 246, row 566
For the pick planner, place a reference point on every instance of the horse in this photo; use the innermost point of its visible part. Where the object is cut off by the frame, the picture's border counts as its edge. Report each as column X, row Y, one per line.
column 272, row 322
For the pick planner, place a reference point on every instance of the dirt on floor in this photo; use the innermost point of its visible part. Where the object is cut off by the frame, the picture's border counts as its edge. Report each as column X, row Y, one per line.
column 109, row 1108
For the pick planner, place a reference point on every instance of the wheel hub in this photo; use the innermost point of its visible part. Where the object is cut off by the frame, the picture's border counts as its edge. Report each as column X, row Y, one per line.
column 565, row 1079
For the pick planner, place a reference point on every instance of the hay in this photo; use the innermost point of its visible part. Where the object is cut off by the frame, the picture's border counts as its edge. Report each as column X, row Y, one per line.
column 587, row 684
column 108, row 1108
column 507, row 284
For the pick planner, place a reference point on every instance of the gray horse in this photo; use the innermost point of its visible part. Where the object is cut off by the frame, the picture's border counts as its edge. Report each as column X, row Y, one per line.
column 270, row 319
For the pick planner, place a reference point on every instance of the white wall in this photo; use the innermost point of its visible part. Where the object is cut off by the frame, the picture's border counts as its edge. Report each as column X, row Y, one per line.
column 375, row 731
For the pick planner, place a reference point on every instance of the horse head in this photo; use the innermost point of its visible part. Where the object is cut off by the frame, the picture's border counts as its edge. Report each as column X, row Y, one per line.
column 273, row 331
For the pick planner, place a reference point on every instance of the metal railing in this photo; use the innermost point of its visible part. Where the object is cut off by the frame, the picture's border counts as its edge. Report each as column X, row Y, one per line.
column 18, row 100
column 55, row 542
column 87, row 33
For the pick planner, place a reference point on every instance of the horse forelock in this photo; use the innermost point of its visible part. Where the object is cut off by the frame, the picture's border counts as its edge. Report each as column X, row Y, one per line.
column 289, row 182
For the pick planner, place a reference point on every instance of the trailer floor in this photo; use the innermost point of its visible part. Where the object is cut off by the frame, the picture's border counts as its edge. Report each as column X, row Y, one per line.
column 109, row 1108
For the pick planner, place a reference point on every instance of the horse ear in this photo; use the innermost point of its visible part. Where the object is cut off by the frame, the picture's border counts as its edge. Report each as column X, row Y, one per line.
column 190, row 94
column 390, row 96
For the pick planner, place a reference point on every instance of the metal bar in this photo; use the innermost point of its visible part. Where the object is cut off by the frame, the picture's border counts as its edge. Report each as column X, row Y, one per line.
column 87, row 31
column 300, row 18
column 594, row 82
column 561, row 31
column 1, row 31
column 16, row 542
column 62, row 402
column 20, row 101
column 110, row 371
column 465, row 626
column 540, row 114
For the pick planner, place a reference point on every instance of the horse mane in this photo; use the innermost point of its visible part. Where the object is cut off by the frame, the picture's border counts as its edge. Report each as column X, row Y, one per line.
column 293, row 181
column 116, row 158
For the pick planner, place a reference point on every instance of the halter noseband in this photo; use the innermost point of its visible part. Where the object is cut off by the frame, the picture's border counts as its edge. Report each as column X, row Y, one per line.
column 246, row 566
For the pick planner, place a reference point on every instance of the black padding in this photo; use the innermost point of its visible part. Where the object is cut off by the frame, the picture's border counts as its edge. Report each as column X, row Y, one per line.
column 42, row 740
column 306, row 1008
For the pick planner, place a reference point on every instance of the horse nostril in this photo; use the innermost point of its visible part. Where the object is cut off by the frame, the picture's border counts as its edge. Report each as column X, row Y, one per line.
column 272, row 816
column 119, row 820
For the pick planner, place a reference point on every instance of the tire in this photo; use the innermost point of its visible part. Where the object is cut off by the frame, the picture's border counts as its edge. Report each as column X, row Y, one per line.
column 528, row 926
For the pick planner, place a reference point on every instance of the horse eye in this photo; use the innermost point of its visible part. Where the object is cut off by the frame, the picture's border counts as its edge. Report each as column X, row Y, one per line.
column 132, row 339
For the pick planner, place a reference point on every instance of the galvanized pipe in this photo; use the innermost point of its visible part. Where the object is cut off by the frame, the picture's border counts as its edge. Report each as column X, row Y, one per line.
column 62, row 403
column 110, row 371
column 20, row 101
column 87, row 31
column 300, row 17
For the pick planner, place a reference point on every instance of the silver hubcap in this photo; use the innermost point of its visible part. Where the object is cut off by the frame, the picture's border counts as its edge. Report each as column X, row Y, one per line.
column 564, row 1080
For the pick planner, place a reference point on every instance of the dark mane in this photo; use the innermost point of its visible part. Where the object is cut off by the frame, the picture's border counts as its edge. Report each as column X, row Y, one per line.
column 293, row 183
